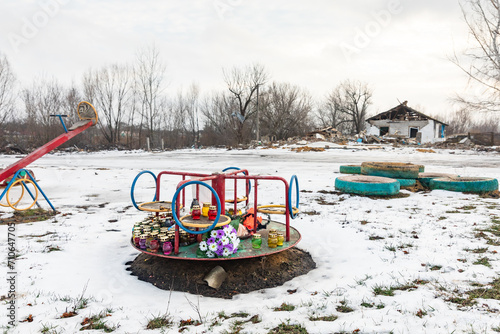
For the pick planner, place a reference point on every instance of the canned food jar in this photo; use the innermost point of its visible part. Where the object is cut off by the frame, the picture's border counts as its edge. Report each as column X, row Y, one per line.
column 137, row 241
column 155, row 245
column 272, row 240
column 163, row 239
column 281, row 239
column 196, row 213
column 149, row 237
column 256, row 241
column 212, row 213
column 142, row 241
column 167, row 248
column 205, row 209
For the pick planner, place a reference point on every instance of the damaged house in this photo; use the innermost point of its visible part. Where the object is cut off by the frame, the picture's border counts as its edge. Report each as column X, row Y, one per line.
column 405, row 122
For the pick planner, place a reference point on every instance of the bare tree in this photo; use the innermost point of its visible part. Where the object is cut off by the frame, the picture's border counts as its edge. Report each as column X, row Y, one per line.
column 464, row 120
column 7, row 83
column 329, row 114
column 149, row 74
column 220, row 127
column 43, row 98
column 459, row 121
column 285, row 111
column 243, row 83
column 483, row 67
column 352, row 99
column 109, row 89
column 192, row 114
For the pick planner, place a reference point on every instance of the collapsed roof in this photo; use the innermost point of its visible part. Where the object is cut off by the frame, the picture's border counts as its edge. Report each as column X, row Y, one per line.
column 402, row 113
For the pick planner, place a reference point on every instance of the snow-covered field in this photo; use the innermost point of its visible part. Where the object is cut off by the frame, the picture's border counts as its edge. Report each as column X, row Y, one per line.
column 422, row 247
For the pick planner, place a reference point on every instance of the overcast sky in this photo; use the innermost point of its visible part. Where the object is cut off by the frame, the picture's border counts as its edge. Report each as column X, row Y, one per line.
column 399, row 47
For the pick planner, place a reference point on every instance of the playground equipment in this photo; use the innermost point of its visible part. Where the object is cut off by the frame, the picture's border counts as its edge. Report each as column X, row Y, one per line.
column 188, row 234
column 22, row 177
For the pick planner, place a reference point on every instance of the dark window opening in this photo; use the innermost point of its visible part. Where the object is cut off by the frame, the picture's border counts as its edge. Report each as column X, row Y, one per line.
column 413, row 132
column 384, row 130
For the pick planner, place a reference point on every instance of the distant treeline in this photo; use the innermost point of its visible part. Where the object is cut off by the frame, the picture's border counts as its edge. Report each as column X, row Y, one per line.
column 136, row 108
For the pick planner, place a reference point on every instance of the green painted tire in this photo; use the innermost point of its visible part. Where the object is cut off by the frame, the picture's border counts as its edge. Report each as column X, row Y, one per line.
column 395, row 170
column 425, row 178
column 350, row 169
column 465, row 184
column 406, row 182
column 367, row 185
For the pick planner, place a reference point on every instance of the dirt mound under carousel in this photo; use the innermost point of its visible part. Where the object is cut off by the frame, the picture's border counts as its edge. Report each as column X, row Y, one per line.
column 243, row 275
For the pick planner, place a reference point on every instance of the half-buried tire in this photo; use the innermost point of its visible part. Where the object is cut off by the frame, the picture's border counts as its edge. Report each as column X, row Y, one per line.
column 395, row 170
column 465, row 184
column 367, row 185
column 350, row 169
column 406, row 182
column 425, row 178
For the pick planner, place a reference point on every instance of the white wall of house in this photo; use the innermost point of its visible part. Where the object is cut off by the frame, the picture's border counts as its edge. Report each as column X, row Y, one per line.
column 428, row 128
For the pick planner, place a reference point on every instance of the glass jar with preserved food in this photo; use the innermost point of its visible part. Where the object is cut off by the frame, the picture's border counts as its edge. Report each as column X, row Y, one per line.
column 272, row 240
column 196, row 212
column 212, row 212
column 256, row 241
column 142, row 241
column 281, row 238
column 167, row 247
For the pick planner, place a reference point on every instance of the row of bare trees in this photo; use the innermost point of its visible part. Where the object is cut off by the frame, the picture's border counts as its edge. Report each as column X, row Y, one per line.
column 134, row 108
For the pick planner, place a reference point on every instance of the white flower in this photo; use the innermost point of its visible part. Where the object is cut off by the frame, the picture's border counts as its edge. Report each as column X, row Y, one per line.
column 213, row 234
column 225, row 240
column 236, row 242
column 233, row 237
column 213, row 247
column 227, row 231
column 226, row 252
column 210, row 254
column 203, row 246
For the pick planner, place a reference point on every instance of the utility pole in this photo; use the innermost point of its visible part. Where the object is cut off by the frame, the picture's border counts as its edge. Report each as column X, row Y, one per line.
column 258, row 121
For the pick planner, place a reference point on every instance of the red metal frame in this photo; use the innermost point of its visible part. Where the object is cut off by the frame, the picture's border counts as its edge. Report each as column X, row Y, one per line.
column 41, row 151
column 218, row 183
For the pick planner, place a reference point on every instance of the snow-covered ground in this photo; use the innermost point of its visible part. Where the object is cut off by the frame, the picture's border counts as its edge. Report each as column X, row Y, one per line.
column 423, row 246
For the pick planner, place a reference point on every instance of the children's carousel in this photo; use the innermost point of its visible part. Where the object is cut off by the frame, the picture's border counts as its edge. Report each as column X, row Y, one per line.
column 209, row 218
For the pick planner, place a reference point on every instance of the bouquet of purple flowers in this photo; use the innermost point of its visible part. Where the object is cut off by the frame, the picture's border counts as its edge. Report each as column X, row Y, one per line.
column 221, row 243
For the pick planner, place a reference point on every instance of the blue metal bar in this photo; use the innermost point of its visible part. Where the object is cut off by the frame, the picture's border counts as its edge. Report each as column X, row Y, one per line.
column 16, row 175
column 62, row 122
column 41, row 191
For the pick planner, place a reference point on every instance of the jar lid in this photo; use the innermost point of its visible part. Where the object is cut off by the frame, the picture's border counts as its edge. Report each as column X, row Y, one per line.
column 196, row 207
column 273, row 230
column 212, row 207
column 257, row 236
column 155, row 233
column 206, row 204
column 143, row 236
column 163, row 238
